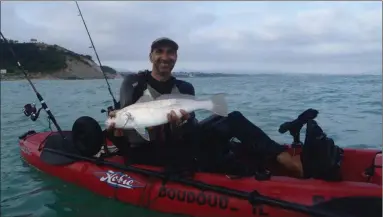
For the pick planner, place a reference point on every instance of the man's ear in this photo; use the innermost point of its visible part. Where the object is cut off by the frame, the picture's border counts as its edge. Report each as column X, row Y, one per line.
column 150, row 57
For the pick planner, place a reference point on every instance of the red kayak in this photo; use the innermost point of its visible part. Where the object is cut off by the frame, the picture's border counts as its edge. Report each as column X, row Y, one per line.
column 173, row 197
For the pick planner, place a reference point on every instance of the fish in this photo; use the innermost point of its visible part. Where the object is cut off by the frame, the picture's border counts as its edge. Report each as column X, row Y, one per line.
column 148, row 112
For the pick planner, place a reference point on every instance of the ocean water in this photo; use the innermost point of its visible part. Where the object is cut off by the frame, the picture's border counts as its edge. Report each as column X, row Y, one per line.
column 350, row 112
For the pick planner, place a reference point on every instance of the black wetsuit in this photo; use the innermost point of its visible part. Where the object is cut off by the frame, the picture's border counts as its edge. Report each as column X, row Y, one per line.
column 167, row 151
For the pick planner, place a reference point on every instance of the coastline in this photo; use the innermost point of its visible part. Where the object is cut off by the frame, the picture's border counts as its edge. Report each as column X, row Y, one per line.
column 22, row 77
column 37, row 78
column 48, row 77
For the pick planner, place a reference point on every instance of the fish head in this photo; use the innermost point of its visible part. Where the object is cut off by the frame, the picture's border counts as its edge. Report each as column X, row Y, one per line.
column 123, row 120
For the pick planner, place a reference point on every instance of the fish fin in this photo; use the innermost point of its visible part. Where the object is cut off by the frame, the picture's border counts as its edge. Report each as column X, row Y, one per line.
column 176, row 96
column 144, row 98
column 143, row 133
column 219, row 105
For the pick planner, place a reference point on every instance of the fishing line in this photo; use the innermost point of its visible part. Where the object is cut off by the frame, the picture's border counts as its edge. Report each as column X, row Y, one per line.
column 41, row 99
column 95, row 51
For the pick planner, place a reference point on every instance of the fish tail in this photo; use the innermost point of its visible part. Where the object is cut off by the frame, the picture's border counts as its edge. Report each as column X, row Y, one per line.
column 219, row 105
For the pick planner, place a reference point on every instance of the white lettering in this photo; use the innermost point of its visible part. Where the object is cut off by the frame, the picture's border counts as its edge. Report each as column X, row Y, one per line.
column 118, row 179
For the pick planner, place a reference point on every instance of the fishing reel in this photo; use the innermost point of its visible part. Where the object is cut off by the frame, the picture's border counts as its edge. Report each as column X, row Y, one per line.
column 109, row 109
column 31, row 111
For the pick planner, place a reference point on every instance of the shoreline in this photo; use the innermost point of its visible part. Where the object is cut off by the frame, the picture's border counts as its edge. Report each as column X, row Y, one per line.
column 17, row 78
column 47, row 77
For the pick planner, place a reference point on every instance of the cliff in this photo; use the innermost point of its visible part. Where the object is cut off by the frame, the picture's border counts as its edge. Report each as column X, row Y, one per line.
column 44, row 61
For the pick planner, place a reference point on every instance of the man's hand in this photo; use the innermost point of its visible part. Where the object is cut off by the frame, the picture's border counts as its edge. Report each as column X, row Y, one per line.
column 112, row 114
column 173, row 119
column 116, row 132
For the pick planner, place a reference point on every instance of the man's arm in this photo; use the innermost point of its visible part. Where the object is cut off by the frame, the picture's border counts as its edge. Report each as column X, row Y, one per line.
column 127, row 90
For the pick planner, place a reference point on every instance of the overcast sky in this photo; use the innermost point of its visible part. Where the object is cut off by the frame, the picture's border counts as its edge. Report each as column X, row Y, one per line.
column 302, row 37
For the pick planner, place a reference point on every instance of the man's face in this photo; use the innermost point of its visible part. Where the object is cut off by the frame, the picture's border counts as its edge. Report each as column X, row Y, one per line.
column 163, row 58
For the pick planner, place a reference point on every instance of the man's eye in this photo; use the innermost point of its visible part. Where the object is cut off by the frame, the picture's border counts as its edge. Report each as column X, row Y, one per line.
column 171, row 52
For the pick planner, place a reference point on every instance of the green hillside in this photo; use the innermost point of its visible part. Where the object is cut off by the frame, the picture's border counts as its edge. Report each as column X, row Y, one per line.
column 37, row 57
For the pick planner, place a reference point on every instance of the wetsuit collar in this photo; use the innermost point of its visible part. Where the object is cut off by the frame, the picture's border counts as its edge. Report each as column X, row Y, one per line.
column 162, row 87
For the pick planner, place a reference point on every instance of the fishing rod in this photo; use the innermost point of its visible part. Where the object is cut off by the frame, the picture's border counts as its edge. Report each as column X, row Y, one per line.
column 95, row 51
column 41, row 99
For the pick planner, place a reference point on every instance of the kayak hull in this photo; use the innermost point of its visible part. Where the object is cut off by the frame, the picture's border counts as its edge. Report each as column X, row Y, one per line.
column 170, row 197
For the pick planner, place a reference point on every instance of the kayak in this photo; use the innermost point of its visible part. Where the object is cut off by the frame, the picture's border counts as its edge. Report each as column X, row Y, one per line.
column 361, row 184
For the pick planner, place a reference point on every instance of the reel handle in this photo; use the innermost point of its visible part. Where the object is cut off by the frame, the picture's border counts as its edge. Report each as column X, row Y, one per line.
column 109, row 109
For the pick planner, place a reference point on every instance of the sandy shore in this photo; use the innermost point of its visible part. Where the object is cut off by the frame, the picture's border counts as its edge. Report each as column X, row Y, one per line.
column 22, row 77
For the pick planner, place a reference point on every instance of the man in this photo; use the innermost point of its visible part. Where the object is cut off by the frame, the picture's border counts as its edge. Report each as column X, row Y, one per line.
column 181, row 135
column 162, row 148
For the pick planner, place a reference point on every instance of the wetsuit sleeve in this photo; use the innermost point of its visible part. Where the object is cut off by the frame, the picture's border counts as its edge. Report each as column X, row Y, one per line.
column 126, row 90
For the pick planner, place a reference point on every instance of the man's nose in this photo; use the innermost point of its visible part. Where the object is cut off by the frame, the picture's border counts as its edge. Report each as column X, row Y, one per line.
column 165, row 56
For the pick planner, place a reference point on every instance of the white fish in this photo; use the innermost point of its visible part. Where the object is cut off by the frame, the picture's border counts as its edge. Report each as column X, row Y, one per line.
column 147, row 112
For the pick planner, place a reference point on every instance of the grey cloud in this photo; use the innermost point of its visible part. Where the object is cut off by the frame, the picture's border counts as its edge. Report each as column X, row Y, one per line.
column 123, row 31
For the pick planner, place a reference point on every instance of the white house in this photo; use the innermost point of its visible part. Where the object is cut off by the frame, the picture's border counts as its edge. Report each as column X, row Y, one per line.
column 3, row 71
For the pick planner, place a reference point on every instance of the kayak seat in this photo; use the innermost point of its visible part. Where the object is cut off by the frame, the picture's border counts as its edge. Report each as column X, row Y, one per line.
column 87, row 136
column 86, row 139
column 57, row 143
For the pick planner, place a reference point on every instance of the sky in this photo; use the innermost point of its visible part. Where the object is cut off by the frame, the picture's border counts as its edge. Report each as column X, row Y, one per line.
column 218, row 36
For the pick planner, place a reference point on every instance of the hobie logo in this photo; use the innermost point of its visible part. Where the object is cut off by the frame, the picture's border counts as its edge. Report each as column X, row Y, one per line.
column 119, row 179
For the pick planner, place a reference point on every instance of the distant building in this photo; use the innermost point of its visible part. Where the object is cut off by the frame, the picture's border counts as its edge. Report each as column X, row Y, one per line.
column 3, row 71
column 33, row 40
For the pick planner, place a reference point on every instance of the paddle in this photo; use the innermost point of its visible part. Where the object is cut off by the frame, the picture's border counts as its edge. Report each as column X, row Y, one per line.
column 320, row 210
